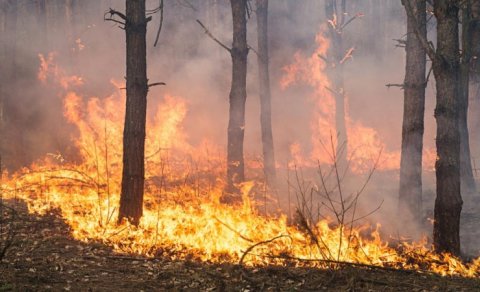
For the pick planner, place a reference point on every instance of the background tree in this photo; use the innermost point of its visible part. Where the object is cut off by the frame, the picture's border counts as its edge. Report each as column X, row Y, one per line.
column 446, row 67
column 466, row 173
column 264, row 89
column 133, row 174
column 410, row 194
column 336, row 15
column 238, row 96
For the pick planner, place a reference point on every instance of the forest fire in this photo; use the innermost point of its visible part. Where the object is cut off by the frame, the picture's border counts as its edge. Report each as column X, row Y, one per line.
column 183, row 217
column 134, row 154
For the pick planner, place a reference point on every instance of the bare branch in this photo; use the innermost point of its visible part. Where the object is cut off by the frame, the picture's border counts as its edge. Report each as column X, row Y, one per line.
column 428, row 46
column 161, row 23
column 402, row 86
column 207, row 32
column 156, row 84
column 358, row 15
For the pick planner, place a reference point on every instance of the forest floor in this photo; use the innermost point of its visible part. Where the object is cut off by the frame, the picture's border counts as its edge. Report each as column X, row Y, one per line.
column 44, row 256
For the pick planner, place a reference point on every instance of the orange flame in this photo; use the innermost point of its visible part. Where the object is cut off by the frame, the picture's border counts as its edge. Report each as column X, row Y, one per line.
column 182, row 214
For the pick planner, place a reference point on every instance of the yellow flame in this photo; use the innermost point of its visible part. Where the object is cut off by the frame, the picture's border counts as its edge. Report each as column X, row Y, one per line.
column 183, row 217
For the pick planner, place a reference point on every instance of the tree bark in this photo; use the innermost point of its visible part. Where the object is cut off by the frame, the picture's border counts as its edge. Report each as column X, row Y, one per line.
column 335, row 56
column 13, row 148
column 474, row 107
column 410, row 194
column 265, row 93
column 133, row 175
column 238, row 96
column 466, row 173
column 475, row 40
column 446, row 66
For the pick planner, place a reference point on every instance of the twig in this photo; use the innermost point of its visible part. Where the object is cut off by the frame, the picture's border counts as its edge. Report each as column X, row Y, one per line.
column 207, row 32
column 233, row 230
column 257, row 244
column 161, row 23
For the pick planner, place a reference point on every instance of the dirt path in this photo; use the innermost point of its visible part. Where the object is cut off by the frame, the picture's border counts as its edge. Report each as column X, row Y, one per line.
column 45, row 257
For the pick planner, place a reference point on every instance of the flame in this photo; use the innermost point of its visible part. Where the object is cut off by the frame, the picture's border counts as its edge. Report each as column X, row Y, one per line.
column 183, row 218
column 364, row 143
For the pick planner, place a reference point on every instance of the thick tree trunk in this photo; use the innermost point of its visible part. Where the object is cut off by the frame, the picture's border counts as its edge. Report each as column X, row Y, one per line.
column 446, row 66
column 336, row 53
column 466, row 173
column 265, row 93
column 410, row 194
column 238, row 96
column 133, row 175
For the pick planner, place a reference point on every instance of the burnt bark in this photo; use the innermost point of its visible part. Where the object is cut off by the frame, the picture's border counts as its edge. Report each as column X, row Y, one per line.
column 264, row 89
column 335, row 56
column 466, row 173
column 446, row 67
column 410, row 194
column 238, row 96
column 133, row 174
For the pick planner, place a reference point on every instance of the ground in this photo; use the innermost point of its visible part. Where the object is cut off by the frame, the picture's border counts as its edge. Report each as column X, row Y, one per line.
column 46, row 257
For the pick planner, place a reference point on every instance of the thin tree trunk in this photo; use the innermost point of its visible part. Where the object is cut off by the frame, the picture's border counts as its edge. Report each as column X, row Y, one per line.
column 265, row 93
column 466, row 173
column 446, row 66
column 335, row 55
column 238, row 96
column 410, row 194
column 133, row 175
column 13, row 146
column 41, row 13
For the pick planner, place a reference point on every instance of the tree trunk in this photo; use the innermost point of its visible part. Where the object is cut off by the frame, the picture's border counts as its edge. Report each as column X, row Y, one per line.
column 475, row 82
column 446, row 66
column 13, row 147
column 466, row 173
column 264, row 89
column 238, row 96
column 475, row 40
column 133, row 175
column 335, row 56
column 41, row 13
column 410, row 194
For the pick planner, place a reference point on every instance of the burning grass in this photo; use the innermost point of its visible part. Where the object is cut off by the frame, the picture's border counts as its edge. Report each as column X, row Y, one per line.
column 183, row 218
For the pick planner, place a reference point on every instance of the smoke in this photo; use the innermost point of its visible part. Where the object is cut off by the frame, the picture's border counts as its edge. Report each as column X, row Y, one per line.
column 198, row 70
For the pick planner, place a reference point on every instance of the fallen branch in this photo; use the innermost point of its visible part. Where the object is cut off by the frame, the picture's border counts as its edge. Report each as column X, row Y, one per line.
column 246, row 252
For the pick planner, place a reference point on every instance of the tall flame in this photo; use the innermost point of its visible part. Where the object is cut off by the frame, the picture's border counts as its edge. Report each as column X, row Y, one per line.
column 364, row 143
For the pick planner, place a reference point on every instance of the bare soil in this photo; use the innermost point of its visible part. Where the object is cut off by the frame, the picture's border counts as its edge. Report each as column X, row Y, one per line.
column 44, row 256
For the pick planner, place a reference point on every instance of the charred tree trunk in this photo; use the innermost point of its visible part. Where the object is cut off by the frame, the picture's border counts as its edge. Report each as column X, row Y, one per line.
column 466, row 173
column 133, row 175
column 410, row 194
column 265, row 93
column 474, row 108
column 336, row 17
column 446, row 66
column 238, row 96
